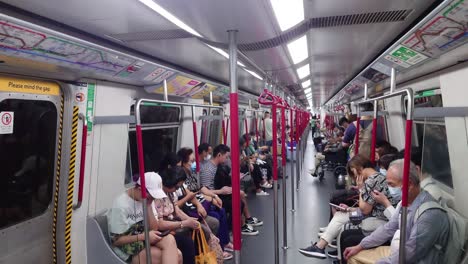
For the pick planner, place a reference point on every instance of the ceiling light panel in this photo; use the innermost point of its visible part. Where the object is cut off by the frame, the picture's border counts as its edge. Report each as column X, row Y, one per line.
column 303, row 71
column 306, row 84
column 288, row 13
column 298, row 50
column 163, row 12
column 254, row 74
column 308, row 91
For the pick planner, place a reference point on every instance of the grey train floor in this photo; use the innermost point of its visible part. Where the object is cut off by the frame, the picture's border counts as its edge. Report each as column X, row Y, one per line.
column 312, row 212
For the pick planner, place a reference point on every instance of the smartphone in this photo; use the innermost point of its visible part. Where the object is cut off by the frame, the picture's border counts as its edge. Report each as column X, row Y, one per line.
column 337, row 207
column 164, row 233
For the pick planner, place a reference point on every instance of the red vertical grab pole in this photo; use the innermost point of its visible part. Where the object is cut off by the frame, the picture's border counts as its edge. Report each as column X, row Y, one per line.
column 374, row 140
column 246, row 125
column 356, row 140
column 223, row 125
column 236, row 217
column 195, row 145
column 275, row 143
column 407, row 161
column 283, row 138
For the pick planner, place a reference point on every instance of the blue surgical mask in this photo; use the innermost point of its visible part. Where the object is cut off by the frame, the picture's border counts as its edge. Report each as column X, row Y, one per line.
column 395, row 192
column 383, row 172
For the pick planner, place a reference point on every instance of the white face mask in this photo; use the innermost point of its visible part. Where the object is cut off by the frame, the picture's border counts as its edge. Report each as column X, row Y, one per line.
column 395, row 192
column 208, row 157
column 383, row 172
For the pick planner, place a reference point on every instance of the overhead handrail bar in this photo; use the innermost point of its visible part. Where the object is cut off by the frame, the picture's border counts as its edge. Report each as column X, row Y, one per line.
column 84, row 137
column 407, row 160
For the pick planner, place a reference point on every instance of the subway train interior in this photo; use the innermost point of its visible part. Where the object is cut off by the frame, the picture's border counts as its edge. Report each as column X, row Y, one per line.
column 248, row 131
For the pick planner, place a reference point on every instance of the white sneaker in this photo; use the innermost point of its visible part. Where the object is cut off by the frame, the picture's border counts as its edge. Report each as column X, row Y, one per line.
column 322, row 229
column 266, row 185
column 248, row 231
column 320, row 234
column 262, row 193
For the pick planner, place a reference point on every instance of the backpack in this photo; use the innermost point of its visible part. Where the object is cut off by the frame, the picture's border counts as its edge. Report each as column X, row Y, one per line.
column 455, row 247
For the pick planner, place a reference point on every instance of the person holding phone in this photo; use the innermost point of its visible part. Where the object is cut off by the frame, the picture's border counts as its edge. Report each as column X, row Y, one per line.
column 361, row 169
column 125, row 220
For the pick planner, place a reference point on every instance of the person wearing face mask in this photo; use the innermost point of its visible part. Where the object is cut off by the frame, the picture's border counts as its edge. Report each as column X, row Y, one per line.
column 429, row 229
column 368, row 180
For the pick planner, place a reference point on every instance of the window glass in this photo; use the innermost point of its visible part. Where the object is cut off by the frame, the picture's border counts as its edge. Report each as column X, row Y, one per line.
column 155, row 113
column 211, row 129
column 436, row 159
column 156, row 144
column 28, row 159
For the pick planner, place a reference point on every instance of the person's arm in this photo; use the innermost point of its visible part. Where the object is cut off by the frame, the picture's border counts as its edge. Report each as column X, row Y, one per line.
column 211, row 193
column 424, row 234
column 365, row 207
column 189, row 196
column 383, row 200
column 382, row 234
column 349, row 135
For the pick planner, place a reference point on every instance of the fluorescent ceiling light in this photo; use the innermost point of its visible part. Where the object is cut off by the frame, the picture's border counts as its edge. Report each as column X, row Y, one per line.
column 306, row 84
column 254, row 74
column 288, row 13
column 298, row 49
column 224, row 54
column 309, row 91
column 163, row 12
column 303, row 71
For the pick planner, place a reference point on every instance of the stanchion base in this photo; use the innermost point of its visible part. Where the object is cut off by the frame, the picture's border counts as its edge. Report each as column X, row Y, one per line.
column 293, row 210
column 285, row 247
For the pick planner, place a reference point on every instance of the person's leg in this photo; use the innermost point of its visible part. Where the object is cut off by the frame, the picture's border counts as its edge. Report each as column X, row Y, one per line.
column 333, row 229
column 370, row 256
column 257, row 177
column 213, row 224
column 245, row 210
column 223, row 231
column 169, row 249
column 348, row 238
column 155, row 256
column 187, row 247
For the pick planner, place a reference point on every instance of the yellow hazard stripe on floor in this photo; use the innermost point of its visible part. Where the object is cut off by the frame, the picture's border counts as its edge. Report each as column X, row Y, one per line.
column 57, row 182
column 71, row 186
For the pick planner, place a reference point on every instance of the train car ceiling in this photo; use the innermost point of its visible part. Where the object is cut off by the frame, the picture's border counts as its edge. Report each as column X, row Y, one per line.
column 341, row 39
column 435, row 43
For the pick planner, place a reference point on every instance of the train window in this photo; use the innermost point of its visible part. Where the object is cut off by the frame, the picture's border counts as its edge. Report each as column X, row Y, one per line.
column 431, row 137
column 156, row 143
column 155, row 113
column 28, row 160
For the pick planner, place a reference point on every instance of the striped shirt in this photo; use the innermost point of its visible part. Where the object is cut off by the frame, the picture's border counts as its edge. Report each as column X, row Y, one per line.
column 207, row 174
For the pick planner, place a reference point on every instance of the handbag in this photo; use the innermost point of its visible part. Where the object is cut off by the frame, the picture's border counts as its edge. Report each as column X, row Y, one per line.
column 356, row 217
column 205, row 255
column 215, row 246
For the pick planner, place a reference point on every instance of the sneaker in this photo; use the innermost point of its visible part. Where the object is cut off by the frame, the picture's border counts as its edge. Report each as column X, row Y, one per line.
column 320, row 234
column 253, row 221
column 262, row 193
column 322, row 229
column 333, row 254
column 333, row 244
column 266, row 185
column 249, row 231
column 313, row 251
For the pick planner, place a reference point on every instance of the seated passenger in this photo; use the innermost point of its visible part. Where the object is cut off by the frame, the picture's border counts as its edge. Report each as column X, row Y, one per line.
column 353, row 235
column 127, row 231
column 195, row 204
column 429, row 229
column 368, row 180
column 207, row 177
column 204, row 154
column 248, row 165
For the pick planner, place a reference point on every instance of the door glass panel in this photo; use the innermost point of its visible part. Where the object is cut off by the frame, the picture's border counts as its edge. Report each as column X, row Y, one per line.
column 27, row 158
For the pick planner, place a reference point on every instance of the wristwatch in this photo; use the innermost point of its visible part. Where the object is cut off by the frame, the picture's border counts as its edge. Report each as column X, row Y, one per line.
column 181, row 225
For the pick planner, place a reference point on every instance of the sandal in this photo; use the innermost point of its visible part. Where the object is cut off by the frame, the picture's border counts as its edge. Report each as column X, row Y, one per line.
column 227, row 255
column 229, row 247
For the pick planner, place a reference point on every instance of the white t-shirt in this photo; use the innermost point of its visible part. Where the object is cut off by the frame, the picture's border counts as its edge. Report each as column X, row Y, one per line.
column 268, row 129
column 124, row 213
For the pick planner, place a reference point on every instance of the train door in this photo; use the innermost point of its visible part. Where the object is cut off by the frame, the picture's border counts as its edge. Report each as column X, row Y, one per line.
column 31, row 114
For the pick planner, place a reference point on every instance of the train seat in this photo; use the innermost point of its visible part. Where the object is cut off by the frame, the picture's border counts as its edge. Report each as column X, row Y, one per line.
column 98, row 241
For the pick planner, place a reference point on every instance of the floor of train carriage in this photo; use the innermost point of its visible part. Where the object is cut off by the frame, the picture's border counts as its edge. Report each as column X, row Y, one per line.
column 312, row 212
